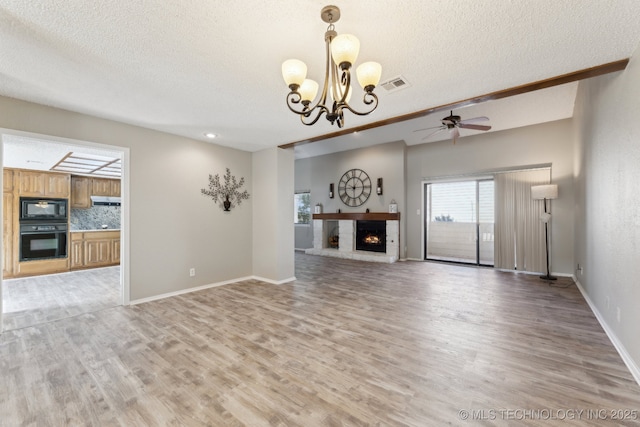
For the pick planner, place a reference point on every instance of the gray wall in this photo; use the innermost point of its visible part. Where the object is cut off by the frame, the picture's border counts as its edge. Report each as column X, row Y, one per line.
column 404, row 169
column 607, row 208
column 273, row 254
column 549, row 143
column 386, row 161
column 172, row 226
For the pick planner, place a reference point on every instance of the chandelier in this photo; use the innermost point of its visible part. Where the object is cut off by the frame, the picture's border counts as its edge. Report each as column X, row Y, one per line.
column 341, row 54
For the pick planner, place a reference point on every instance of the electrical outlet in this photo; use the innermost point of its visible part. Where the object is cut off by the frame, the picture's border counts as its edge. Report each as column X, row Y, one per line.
column 579, row 269
column 618, row 314
column 417, row 211
column 192, row 272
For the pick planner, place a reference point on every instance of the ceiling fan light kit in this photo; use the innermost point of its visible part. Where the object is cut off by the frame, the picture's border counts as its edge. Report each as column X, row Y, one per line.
column 341, row 53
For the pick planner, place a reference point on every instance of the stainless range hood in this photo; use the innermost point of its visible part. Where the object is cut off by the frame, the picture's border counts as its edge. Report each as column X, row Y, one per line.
column 105, row 201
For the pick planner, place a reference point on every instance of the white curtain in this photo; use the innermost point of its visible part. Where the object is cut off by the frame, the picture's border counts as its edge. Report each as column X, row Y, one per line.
column 519, row 233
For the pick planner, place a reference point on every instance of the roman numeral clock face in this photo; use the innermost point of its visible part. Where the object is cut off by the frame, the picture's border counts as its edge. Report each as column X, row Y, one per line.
column 354, row 187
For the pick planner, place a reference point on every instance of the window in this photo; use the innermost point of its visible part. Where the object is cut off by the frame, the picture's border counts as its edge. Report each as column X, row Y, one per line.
column 302, row 208
column 460, row 221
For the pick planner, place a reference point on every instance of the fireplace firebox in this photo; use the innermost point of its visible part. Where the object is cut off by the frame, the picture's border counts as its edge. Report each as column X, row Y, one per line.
column 371, row 236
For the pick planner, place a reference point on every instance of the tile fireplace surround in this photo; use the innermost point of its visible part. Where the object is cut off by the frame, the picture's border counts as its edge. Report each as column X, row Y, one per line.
column 346, row 222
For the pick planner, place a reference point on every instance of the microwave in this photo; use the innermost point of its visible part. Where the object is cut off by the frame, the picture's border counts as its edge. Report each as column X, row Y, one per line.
column 37, row 209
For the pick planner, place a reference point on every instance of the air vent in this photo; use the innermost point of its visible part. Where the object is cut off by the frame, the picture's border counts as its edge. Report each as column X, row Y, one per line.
column 395, row 84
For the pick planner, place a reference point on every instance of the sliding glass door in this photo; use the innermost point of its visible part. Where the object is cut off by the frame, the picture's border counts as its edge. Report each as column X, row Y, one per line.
column 459, row 221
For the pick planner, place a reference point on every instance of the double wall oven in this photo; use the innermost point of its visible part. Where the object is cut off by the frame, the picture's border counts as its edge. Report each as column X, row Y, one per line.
column 43, row 228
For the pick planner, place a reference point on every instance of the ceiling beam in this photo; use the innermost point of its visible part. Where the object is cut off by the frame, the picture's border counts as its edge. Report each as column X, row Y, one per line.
column 505, row 93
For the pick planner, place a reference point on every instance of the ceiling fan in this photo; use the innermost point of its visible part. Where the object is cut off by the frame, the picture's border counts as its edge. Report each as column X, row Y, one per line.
column 453, row 123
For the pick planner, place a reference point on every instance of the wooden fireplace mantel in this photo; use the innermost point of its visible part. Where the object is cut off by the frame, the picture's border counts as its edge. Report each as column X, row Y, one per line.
column 360, row 216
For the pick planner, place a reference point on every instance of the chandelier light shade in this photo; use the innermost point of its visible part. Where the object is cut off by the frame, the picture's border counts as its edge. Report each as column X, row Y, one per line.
column 308, row 90
column 294, row 72
column 369, row 74
column 344, row 50
column 341, row 54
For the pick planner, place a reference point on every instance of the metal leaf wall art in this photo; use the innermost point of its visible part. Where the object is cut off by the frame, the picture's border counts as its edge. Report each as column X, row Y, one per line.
column 227, row 194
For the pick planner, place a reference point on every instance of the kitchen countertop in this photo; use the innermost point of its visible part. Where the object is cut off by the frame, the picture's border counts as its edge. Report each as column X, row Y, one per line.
column 97, row 229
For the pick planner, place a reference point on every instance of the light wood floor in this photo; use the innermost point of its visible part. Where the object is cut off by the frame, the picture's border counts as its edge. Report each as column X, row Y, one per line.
column 347, row 344
column 29, row 301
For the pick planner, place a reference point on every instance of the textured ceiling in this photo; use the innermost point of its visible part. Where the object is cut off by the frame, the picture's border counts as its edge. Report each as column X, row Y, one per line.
column 214, row 66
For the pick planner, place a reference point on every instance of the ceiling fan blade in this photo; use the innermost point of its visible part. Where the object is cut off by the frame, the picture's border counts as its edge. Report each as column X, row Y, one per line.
column 432, row 127
column 476, row 127
column 433, row 133
column 475, row 119
column 455, row 133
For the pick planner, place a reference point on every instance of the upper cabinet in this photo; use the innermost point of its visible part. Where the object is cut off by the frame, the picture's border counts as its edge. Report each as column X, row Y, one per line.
column 7, row 180
column 42, row 184
column 80, row 192
column 105, row 187
column 115, row 187
column 82, row 188
column 101, row 187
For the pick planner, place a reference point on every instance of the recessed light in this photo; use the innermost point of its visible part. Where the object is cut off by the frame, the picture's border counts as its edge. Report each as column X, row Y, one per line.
column 210, row 135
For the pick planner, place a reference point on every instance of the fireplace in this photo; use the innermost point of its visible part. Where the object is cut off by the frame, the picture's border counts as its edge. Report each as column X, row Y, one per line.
column 371, row 236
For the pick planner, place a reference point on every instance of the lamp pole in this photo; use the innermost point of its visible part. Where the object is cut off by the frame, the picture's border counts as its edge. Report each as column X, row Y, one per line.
column 546, row 244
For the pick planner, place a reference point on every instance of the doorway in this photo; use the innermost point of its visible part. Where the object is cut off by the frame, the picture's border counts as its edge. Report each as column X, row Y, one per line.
column 459, row 221
column 31, row 300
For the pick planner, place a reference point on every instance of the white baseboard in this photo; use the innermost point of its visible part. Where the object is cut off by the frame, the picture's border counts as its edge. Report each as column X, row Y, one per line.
column 211, row 285
column 622, row 351
column 188, row 290
column 274, row 282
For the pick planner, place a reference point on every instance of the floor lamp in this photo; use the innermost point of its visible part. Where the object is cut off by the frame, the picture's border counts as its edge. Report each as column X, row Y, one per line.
column 545, row 192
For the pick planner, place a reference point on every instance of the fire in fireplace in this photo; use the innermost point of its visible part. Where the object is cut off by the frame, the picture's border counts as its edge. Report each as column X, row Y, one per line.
column 371, row 236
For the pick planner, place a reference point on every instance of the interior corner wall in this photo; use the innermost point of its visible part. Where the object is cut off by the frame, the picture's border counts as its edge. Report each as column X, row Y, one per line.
column 273, row 236
column 607, row 219
column 173, row 227
column 547, row 143
column 386, row 161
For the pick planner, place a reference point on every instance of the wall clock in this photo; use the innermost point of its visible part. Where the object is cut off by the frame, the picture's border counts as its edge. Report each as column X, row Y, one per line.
column 354, row 187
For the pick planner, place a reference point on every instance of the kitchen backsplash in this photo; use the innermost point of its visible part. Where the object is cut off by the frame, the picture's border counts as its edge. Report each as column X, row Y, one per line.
column 95, row 217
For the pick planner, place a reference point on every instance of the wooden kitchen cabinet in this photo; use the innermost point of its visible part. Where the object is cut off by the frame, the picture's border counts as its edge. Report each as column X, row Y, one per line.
column 97, row 252
column 7, row 180
column 105, row 187
column 57, row 185
column 115, row 187
column 80, row 192
column 7, row 236
column 90, row 249
column 28, row 183
column 42, row 184
column 115, row 251
column 9, row 223
column 82, row 188
column 101, row 187
column 76, row 250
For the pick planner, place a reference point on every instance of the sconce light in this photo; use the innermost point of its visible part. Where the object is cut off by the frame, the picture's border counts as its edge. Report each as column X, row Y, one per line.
column 379, row 187
column 331, row 191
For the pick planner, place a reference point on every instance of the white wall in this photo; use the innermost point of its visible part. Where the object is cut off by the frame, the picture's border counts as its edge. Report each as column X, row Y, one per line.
column 172, row 226
column 548, row 143
column 607, row 209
